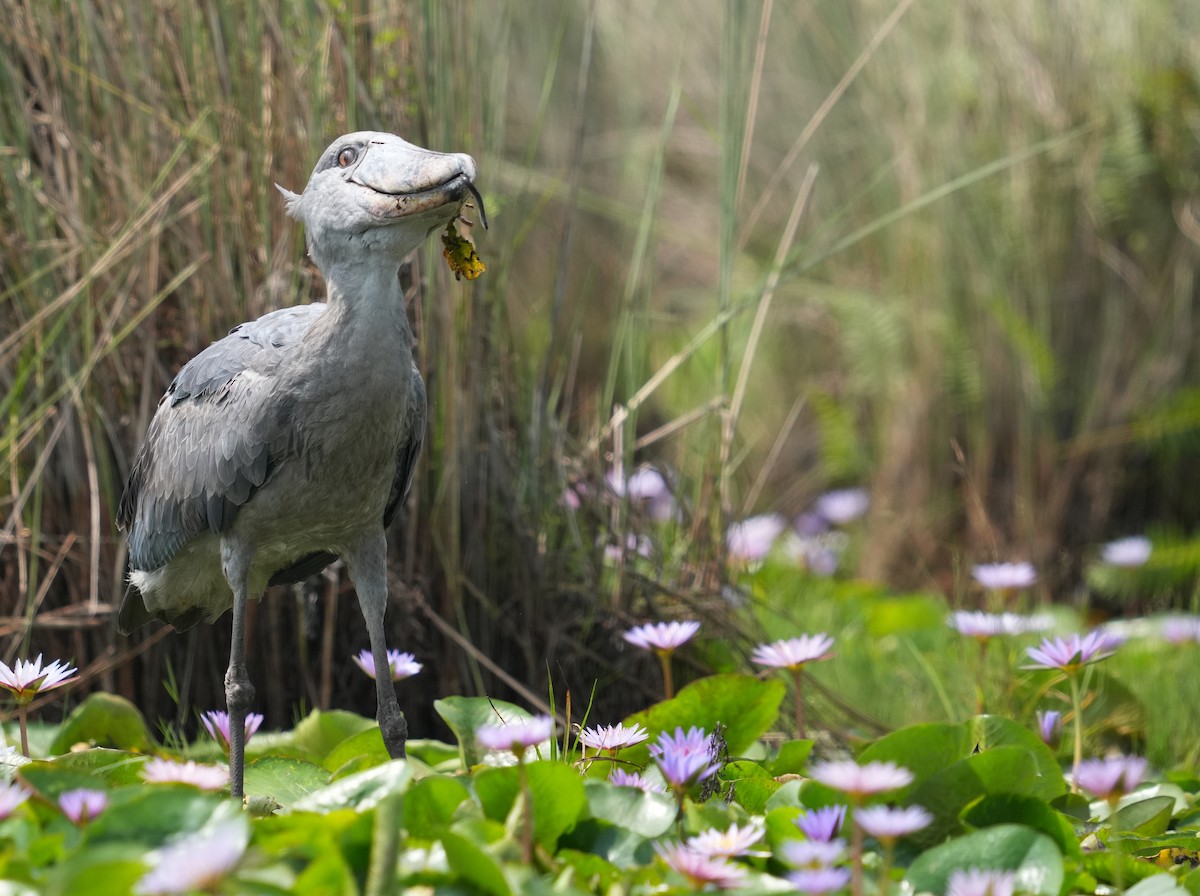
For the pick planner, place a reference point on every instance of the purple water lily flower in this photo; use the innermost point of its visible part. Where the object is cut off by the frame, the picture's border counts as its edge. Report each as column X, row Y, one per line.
column 82, row 805
column 402, row 665
column 662, row 636
column 517, row 735
column 1050, row 727
column 701, row 870
column 1073, row 652
column 843, row 505
column 733, row 841
column 685, row 758
column 611, row 738
column 1004, row 576
column 979, row 882
column 12, row 795
column 822, row 824
column 1179, row 629
column 197, row 862
column 28, row 678
column 217, row 724
column 1127, row 552
column 623, row 778
column 819, row 880
column 813, row 853
column 886, row 823
column 1111, row 778
column 206, row 777
column 751, row 539
column 794, row 653
column 861, row 780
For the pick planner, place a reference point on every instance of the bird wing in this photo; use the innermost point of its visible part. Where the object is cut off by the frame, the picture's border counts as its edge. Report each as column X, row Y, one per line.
column 406, row 461
column 409, row 448
column 216, row 437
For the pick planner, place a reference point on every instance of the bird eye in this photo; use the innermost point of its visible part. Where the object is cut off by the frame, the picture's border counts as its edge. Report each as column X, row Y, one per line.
column 347, row 157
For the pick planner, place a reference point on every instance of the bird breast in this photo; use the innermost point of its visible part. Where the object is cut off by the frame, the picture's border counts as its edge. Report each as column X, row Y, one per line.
column 349, row 406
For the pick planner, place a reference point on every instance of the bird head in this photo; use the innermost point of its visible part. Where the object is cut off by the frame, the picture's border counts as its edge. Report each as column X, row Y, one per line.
column 374, row 193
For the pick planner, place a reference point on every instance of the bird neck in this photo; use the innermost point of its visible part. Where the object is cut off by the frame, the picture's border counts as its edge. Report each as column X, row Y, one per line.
column 366, row 301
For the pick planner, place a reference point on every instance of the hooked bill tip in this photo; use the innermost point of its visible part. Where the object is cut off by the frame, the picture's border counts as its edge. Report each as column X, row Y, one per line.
column 479, row 204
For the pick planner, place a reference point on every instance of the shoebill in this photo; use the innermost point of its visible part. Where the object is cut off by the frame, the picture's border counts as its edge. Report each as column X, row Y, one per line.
column 291, row 442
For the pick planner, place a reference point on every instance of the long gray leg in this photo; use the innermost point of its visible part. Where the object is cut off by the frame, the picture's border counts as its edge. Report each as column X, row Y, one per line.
column 236, row 557
column 368, row 568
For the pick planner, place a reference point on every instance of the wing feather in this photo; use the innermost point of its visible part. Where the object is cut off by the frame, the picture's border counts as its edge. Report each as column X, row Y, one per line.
column 410, row 447
column 216, row 437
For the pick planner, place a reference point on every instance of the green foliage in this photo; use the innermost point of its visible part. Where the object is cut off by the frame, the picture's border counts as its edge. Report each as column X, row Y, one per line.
column 1007, row 847
column 744, row 707
column 997, row 796
column 103, row 720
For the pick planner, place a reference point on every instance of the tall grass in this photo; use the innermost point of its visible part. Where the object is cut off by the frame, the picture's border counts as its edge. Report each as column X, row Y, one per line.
column 948, row 251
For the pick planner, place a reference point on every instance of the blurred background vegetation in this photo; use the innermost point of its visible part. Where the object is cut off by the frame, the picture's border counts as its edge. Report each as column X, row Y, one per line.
column 944, row 251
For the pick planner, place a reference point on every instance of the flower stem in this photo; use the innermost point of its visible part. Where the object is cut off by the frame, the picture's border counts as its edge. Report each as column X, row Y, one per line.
column 798, row 678
column 21, row 709
column 889, row 846
column 664, row 657
column 981, row 684
column 856, row 860
column 527, row 821
column 1078, row 709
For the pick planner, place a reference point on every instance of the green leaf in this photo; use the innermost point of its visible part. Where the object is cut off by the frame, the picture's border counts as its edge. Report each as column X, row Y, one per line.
column 1145, row 818
column 433, row 753
column 103, row 720
column 619, row 846
column 284, row 780
column 904, row 614
column 465, row 715
column 111, row 869
column 947, row 793
column 431, row 803
column 48, row 779
column 319, row 732
column 746, row 706
column 1008, row 847
column 787, row 796
column 365, row 748
column 556, row 789
column 753, row 794
column 647, row 814
column 474, row 865
column 922, row 749
column 115, row 765
column 988, row 732
column 326, row 872
column 1112, row 865
column 792, row 758
column 1011, row 808
column 360, row 791
column 597, row 874
column 1157, row 885
column 151, row 815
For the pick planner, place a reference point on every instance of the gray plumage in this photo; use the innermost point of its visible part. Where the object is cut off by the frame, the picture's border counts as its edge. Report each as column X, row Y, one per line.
column 292, row 441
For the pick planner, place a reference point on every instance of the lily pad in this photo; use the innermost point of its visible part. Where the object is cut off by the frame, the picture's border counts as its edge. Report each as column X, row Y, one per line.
column 103, row 720
column 361, row 791
column 1031, row 855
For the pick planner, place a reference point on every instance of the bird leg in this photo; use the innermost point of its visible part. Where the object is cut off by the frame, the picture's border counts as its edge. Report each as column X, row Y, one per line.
column 368, row 568
column 236, row 557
